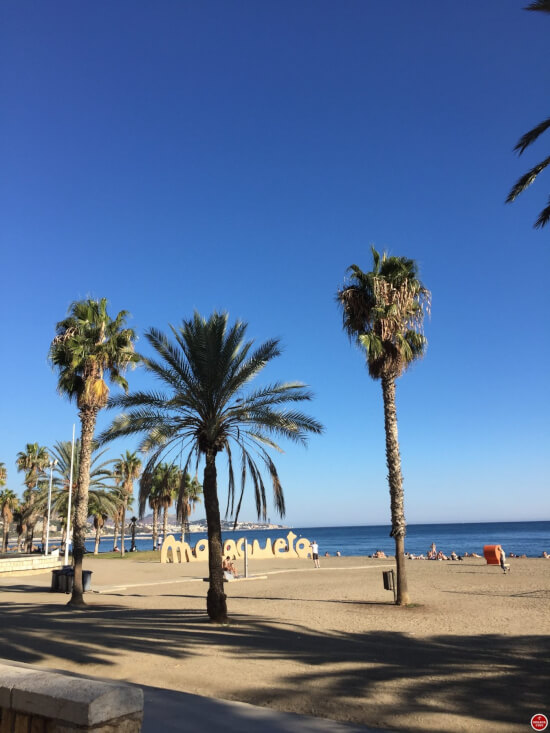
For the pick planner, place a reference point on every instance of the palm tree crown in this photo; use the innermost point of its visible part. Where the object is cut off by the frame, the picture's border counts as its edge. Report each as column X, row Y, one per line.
column 206, row 409
column 33, row 460
column 88, row 344
column 383, row 310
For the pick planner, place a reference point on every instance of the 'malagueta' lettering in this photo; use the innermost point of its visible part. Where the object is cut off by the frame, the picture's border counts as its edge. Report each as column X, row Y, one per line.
column 175, row 551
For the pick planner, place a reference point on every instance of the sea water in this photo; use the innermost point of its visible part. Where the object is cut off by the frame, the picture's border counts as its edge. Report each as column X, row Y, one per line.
column 529, row 538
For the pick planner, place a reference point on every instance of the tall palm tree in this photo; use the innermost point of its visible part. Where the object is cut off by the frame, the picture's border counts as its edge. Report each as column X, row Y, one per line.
column 127, row 470
column 189, row 495
column 88, row 347
column 8, row 505
column 528, row 139
column 206, row 409
column 383, row 310
column 32, row 461
column 3, row 474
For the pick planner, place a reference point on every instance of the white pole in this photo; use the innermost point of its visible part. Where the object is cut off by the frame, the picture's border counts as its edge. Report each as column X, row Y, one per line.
column 245, row 558
column 52, row 464
column 68, row 532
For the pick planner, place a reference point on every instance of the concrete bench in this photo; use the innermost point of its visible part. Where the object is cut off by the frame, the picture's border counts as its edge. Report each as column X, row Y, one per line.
column 40, row 701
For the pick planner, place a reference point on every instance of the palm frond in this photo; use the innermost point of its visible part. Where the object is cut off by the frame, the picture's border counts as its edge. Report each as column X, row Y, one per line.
column 541, row 5
column 530, row 137
column 526, row 180
column 544, row 217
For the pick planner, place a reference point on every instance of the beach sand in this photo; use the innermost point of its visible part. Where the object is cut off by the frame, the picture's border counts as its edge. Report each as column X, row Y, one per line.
column 472, row 654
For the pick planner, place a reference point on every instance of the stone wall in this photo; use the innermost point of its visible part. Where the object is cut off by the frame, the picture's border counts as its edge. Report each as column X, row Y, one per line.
column 13, row 565
column 38, row 701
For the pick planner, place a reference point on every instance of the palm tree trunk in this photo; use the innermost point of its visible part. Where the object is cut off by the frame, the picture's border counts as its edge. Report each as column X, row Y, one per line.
column 30, row 524
column 20, row 537
column 115, row 532
column 395, row 479
column 133, row 545
column 123, row 527
column 97, row 539
column 164, row 523
column 88, row 419
column 155, row 526
column 5, row 534
column 216, row 600
column 29, row 538
column 64, row 536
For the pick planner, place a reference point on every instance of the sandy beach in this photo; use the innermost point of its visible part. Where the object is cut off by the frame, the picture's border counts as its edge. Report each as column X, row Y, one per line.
column 472, row 653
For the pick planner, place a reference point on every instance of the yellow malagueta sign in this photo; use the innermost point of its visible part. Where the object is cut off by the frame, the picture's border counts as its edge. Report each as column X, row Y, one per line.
column 175, row 551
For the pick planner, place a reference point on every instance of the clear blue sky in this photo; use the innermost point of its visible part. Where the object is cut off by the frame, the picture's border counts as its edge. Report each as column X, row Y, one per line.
column 175, row 156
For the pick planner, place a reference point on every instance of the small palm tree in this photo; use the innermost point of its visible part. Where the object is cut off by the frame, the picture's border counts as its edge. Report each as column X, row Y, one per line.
column 189, row 495
column 159, row 490
column 133, row 520
column 20, row 527
column 3, row 474
column 127, row 470
column 169, row 481
column 89, row 346
column 116, row 516
column 149, row 493
column 9, row 503
column 383, row 311
column 32, row 461
column 100, row 475
column 101, row 504
column 206, row 409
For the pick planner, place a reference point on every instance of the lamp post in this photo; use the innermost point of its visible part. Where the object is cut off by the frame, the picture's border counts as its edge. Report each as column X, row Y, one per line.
column 52, row 464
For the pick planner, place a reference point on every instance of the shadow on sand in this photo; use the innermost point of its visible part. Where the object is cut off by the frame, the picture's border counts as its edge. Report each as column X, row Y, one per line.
column 488, row 677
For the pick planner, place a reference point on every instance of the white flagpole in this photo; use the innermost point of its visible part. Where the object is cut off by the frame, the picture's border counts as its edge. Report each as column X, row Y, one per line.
column 52, row 464
column 68, row 533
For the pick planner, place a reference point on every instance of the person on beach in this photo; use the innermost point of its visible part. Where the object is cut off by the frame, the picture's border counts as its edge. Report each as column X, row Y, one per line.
column 229, row 570
column 503, row 564
column 315, row 553
column 339, row 554
column 545, row 555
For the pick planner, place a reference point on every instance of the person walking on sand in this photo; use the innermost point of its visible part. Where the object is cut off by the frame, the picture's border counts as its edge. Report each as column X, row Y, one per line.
column 315, row 553
column 503, row 564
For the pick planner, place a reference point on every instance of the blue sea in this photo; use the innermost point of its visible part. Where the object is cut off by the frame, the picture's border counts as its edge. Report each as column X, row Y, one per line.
column 529, row 538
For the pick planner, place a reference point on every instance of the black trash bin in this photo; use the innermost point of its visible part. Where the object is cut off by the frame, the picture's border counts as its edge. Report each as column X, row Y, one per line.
column 55, row 580
column 69, row 580
column 86, row 580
